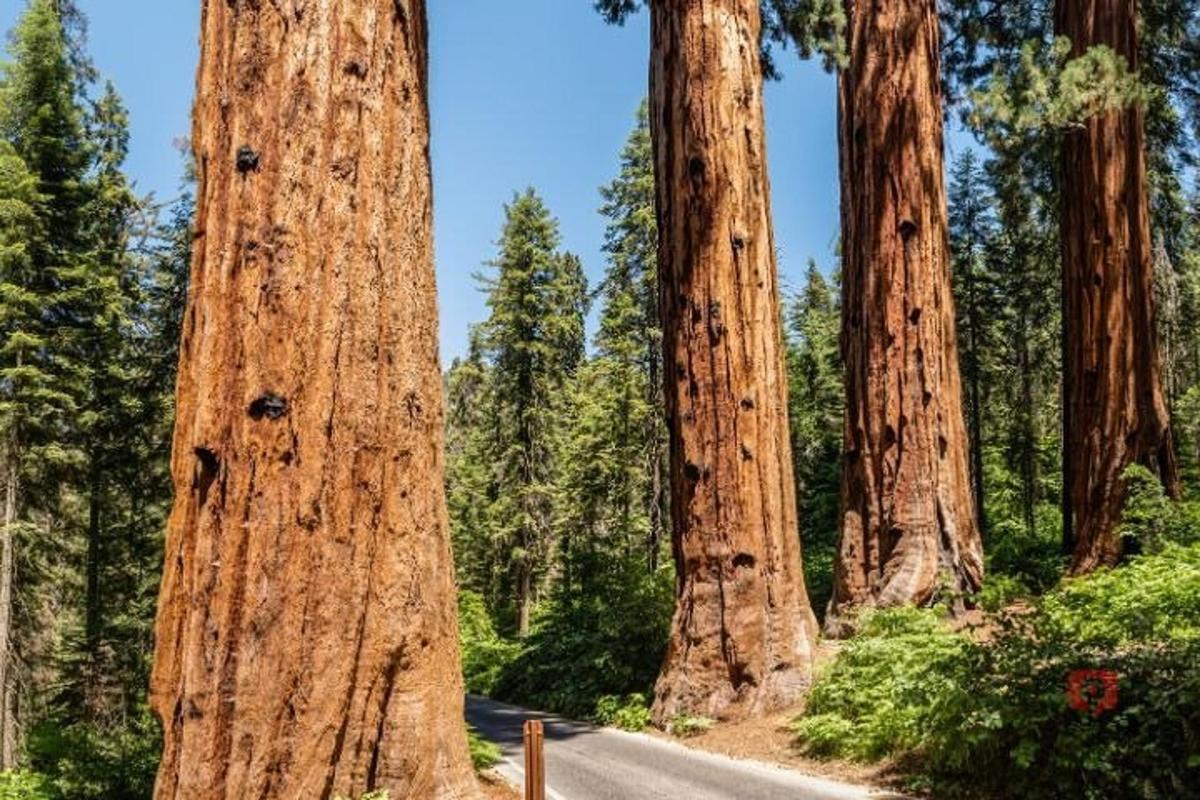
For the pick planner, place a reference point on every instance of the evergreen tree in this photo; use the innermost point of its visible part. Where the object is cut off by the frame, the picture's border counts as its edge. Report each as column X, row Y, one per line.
column 629, row 341
column 534, row 341
column 42, row 125
column 970, row 235
column 24, row 382
column 815, row 392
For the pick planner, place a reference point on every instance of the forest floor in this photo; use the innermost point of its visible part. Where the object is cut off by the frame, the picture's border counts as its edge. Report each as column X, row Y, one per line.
column 497, row 788
column 770, row 740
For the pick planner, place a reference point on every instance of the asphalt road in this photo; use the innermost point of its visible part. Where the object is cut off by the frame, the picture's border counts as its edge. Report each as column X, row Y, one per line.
column 588, row 763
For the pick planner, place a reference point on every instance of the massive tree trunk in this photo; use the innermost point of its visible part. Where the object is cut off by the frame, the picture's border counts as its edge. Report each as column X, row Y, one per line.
column 1114, row 411
column 742, row 635
column 908, row 517
column 306, row 634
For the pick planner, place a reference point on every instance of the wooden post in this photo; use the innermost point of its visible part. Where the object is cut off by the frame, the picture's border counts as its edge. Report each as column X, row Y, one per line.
column 535, row 762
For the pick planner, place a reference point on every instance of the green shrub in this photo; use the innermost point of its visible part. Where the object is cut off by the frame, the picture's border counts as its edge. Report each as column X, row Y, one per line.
column 686, row 725
column 629, row 713
column 1150, row 521
column 485, row 654
column 484, row 754
column 609, row 641
column 1009, row 728
column 23, row 785
column 872, row 700
column 91, row 762
column 993, row 717
column 1000, row 591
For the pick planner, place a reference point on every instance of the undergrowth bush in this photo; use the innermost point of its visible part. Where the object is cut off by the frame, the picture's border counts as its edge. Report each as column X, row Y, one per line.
column 484, row 754
column 992, row 715
column 24, row 785
column 91, row 762
column 871, row 702
column 687, row 725
column 609, row 641
column 629, row 713
column 485, row 654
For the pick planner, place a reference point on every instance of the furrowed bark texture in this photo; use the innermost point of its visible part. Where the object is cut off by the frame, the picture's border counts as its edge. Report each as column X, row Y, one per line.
column 306, row 635
column 743, row 629
column 1114, row 410
column 909, row 525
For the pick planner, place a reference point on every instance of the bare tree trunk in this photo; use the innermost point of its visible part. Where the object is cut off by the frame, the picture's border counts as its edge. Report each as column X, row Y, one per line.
column 742, row 636
column 306, row 634
column 8, row 722
column 908, row 517
column 1114, row 409
column 92, row 600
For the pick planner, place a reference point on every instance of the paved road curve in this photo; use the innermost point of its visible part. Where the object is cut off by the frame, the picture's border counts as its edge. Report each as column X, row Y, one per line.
column 588, row 763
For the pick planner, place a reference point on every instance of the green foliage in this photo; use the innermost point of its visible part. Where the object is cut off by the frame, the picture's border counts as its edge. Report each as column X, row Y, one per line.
column 1150, row 520
column 485, row 654
column 1054, row 89
column 608, row 641
column 990, row 715
column 84, row 761
column 484, row 754
column 24, row 785
column 629, row 713
column 686, row 725
column 873, row 700
column 1001, row 590
column 811, row 328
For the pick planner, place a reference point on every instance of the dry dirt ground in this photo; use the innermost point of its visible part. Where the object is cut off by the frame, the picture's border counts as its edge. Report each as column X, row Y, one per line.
column 496, row 788
column 769, row 739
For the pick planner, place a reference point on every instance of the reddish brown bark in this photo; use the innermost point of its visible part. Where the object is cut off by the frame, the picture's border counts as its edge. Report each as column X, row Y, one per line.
column 909, row 526
column 743, row 630
column 1114, row 410
column 306, row 634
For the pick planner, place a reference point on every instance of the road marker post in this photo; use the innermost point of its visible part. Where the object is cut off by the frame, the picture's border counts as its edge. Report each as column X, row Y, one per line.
column 535, row 762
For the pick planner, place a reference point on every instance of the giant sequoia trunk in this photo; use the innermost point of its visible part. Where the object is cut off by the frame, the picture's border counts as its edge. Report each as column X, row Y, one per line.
column 908, row 517
column 306, row 635
column 743, row 630
column 1114, row 411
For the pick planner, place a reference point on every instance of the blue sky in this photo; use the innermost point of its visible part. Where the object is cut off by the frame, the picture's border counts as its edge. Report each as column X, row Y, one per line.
column 523, row 93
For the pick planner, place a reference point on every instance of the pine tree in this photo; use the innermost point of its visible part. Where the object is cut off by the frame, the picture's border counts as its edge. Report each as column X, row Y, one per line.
column 23, row 380
column 970, row 224
column 41, row 123
column 630, row 335
column 534, row 342
column 815, row 392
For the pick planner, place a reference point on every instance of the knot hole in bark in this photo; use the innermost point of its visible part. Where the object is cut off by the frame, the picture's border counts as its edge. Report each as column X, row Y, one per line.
column 355, row 69
column 744, row 561
column 908, row 229
column 696, row 168
column 747, row 403
column 693, row 472
column 270, row 406
column 207, row 468
column 247, row 159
